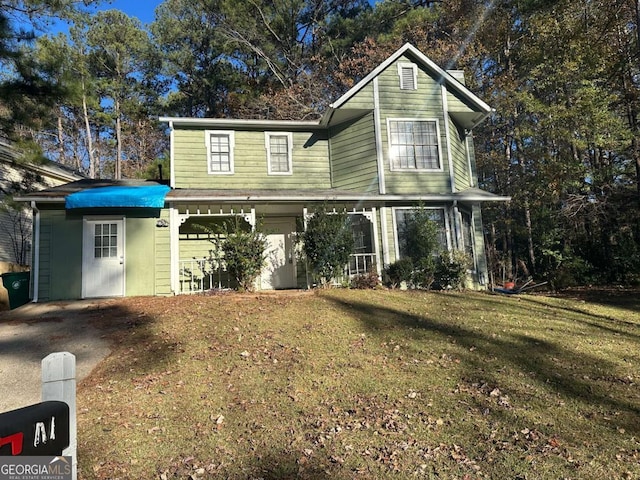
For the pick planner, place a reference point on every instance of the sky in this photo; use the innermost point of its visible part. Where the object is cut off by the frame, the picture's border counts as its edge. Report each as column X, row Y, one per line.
column 143, row 9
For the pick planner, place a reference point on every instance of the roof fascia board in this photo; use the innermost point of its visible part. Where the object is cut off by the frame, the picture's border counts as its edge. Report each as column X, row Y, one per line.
column 235, row 123
column 488, row 197
column 341, row 197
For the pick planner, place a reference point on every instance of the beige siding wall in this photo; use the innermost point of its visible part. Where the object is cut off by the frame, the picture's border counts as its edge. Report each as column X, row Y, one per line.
column 353, row 154
column 9, row 224
column 310, row 162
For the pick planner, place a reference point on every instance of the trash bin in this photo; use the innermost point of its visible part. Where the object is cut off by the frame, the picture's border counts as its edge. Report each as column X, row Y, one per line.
column 17, row 284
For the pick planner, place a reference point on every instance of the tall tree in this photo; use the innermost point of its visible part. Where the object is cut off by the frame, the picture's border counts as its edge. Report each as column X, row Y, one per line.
column 120, row 69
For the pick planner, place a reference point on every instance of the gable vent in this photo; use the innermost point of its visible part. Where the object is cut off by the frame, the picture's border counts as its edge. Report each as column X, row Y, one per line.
column 407, row 74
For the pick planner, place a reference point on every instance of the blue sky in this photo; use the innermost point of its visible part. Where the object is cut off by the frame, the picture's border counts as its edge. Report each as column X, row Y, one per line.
column 143, row 9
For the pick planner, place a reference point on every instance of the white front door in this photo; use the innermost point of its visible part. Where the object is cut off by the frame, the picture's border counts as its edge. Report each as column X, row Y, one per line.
column 103, row 258
column 280, row 267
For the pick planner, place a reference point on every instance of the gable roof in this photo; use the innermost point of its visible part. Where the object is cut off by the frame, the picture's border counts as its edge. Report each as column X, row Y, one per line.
column 49, row 169
column 446, row 78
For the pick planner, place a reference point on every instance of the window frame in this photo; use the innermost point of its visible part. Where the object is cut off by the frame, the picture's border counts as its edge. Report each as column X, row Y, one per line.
column 391, row 151
column 207, row 140
column 447, row 226
column 267, row 146
column 414, row 68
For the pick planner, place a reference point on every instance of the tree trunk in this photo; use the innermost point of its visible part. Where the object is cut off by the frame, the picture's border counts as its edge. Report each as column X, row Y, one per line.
column 118, row 164
column 87, row 126
column 60, row 132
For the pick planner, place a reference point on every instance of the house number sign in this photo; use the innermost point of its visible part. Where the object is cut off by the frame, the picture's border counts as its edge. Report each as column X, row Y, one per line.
column 37, row 430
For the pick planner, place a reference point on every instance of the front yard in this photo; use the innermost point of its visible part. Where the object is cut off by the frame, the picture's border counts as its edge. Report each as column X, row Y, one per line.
column 365, row 384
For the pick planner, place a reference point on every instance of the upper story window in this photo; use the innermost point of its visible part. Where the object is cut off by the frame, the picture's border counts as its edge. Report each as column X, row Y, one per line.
column 220, row 145
column 408, row 73
column 413, row 144
column 279, row 148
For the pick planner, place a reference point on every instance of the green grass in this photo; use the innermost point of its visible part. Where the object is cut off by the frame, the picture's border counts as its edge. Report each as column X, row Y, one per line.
column 365, row 384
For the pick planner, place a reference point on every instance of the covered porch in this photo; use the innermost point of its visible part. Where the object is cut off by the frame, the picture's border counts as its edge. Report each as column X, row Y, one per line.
column 198, row 228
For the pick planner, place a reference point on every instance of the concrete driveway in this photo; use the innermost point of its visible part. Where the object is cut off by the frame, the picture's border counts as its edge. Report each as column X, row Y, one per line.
column 33, row 331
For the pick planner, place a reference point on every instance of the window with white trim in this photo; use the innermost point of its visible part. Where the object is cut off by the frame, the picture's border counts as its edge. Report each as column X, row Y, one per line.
column 220, row 144
column 413, row 144
column 408, row 75
column 401, row 215
column 279, row 148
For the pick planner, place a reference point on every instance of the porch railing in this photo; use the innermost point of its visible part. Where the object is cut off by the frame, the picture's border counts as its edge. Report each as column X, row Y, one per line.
column 198, row 275
column 360, row 263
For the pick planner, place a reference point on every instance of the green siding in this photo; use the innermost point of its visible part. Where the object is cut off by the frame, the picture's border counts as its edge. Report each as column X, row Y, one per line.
column 459, row 154
column 60, row 255
column 423, row 103
column 139, row 255
column 195, row 245
column 162, row 240
column 61, row 234
column 353, row 154
column 456, row 104
column 364, row 100
column 310, row 162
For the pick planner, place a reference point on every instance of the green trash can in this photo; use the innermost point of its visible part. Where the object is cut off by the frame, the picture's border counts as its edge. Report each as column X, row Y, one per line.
column 17, row 284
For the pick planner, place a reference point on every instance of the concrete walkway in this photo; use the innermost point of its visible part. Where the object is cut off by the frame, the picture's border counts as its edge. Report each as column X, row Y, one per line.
column 33, row 331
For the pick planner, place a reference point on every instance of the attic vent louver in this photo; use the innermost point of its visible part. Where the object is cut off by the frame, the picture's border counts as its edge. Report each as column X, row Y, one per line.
column 408, row 77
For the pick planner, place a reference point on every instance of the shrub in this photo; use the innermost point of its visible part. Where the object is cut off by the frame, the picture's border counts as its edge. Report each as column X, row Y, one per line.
column 243, row 250
column 365, row 281
column 244, row 255
column 327, row 243
column 398, row 272
column 424, row 273
column 451, row 269
column 420, row 235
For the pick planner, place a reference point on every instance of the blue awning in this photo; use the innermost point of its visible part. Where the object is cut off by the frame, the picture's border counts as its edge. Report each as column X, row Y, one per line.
column 150, row 196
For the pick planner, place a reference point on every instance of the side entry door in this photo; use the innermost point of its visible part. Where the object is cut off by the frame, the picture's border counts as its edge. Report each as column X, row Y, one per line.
column 103, row 258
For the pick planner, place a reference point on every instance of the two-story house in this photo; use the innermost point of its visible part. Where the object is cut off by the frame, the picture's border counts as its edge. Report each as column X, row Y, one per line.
column 401, row 137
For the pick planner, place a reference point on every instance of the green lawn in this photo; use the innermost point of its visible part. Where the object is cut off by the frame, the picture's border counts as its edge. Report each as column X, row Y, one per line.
column 365, row 384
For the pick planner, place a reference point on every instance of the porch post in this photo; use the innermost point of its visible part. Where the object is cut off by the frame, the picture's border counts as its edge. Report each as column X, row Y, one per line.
column 385, row 241
column 174, row 238
column 376, row 242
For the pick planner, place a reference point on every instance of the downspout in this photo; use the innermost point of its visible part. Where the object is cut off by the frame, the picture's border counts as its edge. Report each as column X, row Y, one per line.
column 385, row 241
column 172, row 177
column 36, row 252
column 457, row 227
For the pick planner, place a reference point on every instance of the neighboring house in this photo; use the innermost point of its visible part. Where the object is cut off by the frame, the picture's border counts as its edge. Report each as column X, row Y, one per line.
column 399, row 138
column 17, row 178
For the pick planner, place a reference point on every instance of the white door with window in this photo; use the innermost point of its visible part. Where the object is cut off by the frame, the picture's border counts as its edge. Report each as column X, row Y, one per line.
column 280, row 267
column 103, row 258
